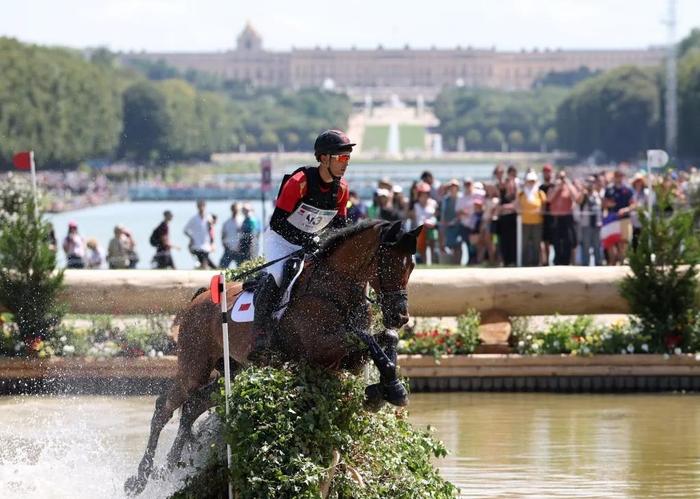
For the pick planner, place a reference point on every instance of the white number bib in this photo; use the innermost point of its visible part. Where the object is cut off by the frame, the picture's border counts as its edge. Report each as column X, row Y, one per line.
column 309, row 219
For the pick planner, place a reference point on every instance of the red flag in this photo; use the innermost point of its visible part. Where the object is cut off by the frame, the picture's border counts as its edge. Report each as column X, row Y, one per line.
column 214, row 288
column 22, row 160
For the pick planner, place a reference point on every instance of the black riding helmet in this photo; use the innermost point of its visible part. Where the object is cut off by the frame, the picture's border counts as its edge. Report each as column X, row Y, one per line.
column 332, row 142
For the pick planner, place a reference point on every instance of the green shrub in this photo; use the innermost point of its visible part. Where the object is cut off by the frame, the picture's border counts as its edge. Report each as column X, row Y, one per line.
column 662, row 290
column 285, row 425
column 29, row 281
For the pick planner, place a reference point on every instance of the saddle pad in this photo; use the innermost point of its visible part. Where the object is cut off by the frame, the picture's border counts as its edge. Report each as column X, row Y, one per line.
column 243, row 309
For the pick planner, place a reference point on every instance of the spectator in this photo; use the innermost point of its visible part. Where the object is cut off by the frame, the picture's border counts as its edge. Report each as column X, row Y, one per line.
column 547, row 220
column 250, row 232
column 51, row 238
column 507, row 217
column 119, row 249
column 197, row 230
column 561, row 201
column 425, row 212
column 531, row 203
column 94, row 257
column 356, row 208
column 590, row 222
column 641, row 196
column 131, row 247
column 230, row 238
column 465, row 211
column 451, row 224
column 399, row 201
column 74, row 247
column 160, row 238
column 385, row 207
column 428, row 178
column 619, row 199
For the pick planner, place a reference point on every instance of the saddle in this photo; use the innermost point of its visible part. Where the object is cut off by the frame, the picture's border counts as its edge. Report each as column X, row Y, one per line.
column 243, row 309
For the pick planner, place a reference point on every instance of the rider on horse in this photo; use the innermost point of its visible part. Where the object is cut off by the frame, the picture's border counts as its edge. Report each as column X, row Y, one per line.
column 311, row 200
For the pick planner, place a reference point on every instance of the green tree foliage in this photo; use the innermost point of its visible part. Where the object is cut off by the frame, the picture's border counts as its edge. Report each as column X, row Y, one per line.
column 565, row 78
column 286, row 424
column 690, row 43
column 56, row 103
column 616, row 112
column 463, row 111
column 663, row 287
column 29, row 283
column 146, row 123
column 689, row 103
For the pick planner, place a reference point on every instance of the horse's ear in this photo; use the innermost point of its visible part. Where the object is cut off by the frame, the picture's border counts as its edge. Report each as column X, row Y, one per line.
column 416, row 232
column 409, row 240
column 391, row 235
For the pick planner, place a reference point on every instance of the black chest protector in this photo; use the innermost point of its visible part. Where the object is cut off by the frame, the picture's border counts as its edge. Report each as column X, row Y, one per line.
column 311, row 214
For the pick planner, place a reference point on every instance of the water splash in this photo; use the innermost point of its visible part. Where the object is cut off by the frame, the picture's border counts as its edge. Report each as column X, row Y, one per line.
column 80, row 447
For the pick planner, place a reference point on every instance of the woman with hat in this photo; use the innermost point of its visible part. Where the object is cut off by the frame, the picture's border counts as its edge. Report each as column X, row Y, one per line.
column 310, row 200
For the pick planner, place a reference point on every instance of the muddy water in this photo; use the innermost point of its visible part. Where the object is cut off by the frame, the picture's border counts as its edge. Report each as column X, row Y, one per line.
column 502, row 445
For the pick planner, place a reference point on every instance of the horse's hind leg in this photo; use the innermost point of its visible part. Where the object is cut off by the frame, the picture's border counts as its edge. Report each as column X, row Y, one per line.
column 165, row 406
column 195, row 406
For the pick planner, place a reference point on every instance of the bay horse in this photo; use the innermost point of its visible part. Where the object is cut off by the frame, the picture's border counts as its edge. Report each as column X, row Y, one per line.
column 328, row 311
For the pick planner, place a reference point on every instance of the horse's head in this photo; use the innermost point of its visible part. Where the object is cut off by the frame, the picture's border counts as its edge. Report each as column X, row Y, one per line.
column 390, row 270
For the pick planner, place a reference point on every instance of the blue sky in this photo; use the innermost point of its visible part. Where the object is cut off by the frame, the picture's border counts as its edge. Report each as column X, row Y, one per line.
column 212, row 25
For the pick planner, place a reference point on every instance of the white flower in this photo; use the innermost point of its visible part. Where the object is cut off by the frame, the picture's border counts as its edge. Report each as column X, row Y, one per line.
column 152, row 353
column 666, row 356
column 645, row 347
column 623, row 351
column 521, row 344
column 697, row 356
column 555, row 344
column 68, row 349
column 159, row 354
column 18, row 347
column 63, row 338
column 586, row 350
column 535, row 346
column 528, row 337
column 630, row 348
column 677, row 350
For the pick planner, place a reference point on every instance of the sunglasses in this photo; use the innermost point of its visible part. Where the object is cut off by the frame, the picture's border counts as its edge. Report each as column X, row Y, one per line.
column 341, row 157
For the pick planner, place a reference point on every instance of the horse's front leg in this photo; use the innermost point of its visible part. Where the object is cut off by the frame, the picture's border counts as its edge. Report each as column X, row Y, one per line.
column 389, row 387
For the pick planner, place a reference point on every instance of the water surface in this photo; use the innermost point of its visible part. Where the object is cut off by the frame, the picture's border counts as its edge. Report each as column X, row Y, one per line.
column 502, row 445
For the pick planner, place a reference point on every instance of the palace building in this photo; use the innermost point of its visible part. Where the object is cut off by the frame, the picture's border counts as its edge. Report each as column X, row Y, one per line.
column 406, row 72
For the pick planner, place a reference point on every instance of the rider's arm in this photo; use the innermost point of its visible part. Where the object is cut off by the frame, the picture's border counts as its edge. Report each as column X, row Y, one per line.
column 292, row 191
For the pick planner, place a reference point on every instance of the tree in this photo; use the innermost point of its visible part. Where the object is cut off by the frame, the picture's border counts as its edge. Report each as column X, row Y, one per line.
column 54, row 102
column 495, row 139
column 617, row 112
column 516, row 139
column 689, row 104
column 146, row 124
column 474, row 139
column 29, row 282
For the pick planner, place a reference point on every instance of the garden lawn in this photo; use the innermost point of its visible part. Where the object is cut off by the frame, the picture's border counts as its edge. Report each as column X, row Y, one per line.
column 375, row 138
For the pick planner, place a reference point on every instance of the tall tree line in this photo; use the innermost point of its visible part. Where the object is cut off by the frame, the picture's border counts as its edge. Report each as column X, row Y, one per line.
column 70, row 109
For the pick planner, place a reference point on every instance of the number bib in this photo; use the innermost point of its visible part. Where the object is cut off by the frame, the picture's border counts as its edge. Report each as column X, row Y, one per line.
column 311, row 220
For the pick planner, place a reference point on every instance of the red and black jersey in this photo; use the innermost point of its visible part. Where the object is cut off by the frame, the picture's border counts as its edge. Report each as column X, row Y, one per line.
column 305, row 186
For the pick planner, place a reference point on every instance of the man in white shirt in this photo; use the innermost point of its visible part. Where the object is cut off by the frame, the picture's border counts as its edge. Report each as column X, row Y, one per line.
column 197, row 230
column 230, row 237
column 465, row 212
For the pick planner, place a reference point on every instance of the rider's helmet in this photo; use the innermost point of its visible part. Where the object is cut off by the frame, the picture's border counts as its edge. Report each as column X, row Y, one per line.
column 332, row 142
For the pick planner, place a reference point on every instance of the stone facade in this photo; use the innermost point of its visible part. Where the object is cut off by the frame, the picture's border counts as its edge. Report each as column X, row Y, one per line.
column 406, row 72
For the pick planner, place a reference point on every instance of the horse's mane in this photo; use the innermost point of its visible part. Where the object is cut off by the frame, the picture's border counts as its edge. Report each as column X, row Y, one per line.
column 338, row 237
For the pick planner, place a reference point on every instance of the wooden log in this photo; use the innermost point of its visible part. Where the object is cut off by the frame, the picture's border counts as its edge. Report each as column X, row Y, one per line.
column 440, row 292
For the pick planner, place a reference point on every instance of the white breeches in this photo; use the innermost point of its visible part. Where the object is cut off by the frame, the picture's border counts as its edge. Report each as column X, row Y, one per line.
column 277, row 247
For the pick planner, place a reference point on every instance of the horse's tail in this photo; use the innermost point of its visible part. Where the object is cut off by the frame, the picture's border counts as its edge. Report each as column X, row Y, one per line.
column 198, row 292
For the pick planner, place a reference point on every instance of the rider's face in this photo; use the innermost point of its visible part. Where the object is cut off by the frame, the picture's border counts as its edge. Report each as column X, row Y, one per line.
column 338, row 163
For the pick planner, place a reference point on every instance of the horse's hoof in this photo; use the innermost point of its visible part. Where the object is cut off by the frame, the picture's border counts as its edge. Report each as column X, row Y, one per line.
column 374, row 398
column 134, row 485
column 395, row 393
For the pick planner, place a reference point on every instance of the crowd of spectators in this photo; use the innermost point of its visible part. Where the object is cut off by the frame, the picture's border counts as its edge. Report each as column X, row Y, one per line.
column 529, row 217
